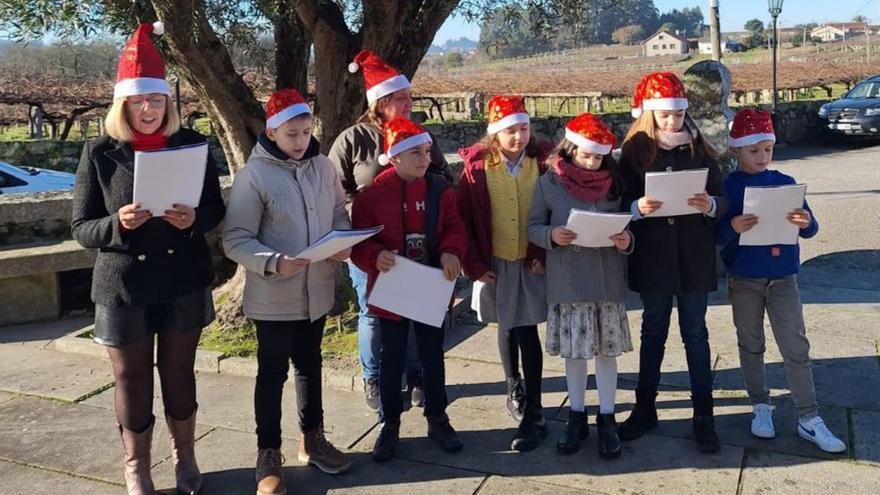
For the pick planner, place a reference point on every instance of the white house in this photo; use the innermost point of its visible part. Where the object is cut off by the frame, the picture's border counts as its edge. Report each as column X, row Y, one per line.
column 727, row 45
column 664, row 43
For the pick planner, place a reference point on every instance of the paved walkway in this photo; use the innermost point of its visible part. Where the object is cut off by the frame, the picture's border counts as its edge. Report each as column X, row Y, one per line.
column 57, row 430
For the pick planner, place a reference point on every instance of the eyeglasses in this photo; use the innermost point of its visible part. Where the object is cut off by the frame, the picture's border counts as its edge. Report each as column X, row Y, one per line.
column 154, row 101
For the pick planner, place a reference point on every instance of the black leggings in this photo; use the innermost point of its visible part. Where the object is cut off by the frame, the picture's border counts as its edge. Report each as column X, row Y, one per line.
column 278, row 344
column 133, row 372
column 522, row 340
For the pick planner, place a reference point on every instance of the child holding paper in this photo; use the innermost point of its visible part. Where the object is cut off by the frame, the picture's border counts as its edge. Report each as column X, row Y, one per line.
column 586, row 287
column 421, row 223
column 286, row 197
column 495, row 196
column 674, row 257
column 765, row 278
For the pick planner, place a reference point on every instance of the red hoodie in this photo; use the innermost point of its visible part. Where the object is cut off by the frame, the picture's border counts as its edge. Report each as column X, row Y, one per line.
column 475, row 209
column 382, row 204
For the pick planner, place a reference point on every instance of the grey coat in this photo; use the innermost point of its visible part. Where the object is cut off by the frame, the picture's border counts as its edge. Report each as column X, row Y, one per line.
column 278, row 207
column 574, row 274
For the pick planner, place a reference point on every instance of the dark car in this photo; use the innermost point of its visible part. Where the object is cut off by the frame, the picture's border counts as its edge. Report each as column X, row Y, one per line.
column 19, row 180
column 856, row 114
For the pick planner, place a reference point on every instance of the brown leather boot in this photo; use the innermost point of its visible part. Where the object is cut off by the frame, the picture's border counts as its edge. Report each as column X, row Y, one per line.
column 317, row 451
column 136, row 458
column 183, row 439
column 270, row 479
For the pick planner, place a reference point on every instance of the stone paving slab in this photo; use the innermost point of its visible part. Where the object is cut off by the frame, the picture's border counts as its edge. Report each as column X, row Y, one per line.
column 52, row 374
column 25, row 480
column 69, row 438
column 778, row 474
column 40, row 334
column 502, row 485
column 228, row 402
column 231, row 471
column 867, row 436
column 5, row 396
column 647, row 467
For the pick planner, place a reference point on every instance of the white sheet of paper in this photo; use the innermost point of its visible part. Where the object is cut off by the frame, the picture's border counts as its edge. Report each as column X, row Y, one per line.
column 674, row 189
column 771, row 205
column 593, row 228
column 483, row 301
column 165, row 177
column 336, row 241
column 413, row 290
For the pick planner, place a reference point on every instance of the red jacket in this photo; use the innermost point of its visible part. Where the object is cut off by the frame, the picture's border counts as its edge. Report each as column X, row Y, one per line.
column 474, row 207
column 381, row 204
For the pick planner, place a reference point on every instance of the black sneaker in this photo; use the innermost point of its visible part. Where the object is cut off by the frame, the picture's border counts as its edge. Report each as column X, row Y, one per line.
column 440, row 431
column 385, row 447
column 371, row 392
column 576, row 430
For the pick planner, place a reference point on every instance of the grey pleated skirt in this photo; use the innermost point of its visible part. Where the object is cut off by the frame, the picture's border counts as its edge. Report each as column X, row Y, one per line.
column 517, row 298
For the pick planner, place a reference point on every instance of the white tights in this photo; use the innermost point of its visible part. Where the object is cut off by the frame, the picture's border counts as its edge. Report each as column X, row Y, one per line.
column 606, row 382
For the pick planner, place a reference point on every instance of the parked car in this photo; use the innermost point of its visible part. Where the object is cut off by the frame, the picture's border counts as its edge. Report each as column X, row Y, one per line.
column 857, row 113
column 18, row 180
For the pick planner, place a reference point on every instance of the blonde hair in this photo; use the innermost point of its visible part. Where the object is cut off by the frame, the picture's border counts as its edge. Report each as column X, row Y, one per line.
column 373, row 115
column 640, row 145
column 118, row 127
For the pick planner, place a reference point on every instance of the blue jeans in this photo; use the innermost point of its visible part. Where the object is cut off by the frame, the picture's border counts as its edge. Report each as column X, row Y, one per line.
column 694, row 334
column 370, row 335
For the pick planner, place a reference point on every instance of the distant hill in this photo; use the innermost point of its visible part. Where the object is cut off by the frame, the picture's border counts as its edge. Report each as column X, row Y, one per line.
column 461, row 45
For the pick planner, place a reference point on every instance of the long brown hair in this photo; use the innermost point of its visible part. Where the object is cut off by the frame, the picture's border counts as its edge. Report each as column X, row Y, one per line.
column 566, row 150
column 640, row 144
column 372, row 115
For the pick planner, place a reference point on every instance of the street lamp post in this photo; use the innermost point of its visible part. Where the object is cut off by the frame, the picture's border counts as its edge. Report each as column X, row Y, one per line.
column 775, row 8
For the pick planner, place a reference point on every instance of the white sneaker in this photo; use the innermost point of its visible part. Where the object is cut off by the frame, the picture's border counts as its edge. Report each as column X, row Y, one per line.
column 762, row 421
column 815, row 431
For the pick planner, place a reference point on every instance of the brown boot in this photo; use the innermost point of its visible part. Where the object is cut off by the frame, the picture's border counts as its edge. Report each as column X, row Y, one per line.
column 137, row 460
column 183, row 439
column 270, row 479
column 317, row 451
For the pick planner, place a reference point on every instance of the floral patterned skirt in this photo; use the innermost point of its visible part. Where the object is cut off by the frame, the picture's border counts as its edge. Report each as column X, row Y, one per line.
column 584, row 330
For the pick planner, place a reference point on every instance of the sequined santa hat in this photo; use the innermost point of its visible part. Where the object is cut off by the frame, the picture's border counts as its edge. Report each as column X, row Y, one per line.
column 400, row 134
column 586, row 131
column 751, row 126
column 505, row 111
column 284, row 105
column 659, row 91
column 141, row 69
column 380, row 78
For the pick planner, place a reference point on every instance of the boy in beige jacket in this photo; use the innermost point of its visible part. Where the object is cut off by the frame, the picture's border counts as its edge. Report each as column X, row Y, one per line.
column 287, row 196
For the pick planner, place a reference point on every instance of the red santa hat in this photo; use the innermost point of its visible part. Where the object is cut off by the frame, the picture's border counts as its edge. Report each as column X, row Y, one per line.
column 659, row 91
column 505, row 111
column 588, row 132
column 284, row 105
column 380, row 78
column 141, row 69
column 401, row 134
column 751, row 126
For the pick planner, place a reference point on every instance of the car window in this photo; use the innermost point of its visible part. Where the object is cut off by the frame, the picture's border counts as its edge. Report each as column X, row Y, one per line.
column 865, row 90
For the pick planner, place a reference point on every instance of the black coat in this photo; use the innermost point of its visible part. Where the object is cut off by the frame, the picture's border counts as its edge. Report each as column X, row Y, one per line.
column 673, row 255
column 156, row 262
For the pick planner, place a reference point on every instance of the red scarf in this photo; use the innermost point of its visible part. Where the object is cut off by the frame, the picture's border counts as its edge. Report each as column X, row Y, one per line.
column 584, row 185
column 148, row 142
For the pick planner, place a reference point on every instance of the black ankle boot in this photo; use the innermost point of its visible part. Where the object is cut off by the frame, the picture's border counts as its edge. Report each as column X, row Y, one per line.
column 385, row 447
column 532, row 429
column 609, row 442
column 704, row 427
column 515, row 403
column 576, row 430
column 440, row 431
column 642, row 418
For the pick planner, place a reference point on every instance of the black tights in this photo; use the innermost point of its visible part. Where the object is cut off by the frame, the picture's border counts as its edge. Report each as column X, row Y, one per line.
column 522, row 340
column 133, row 372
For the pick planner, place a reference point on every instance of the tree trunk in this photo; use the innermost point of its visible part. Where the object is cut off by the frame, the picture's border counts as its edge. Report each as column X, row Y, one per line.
column 292, row 49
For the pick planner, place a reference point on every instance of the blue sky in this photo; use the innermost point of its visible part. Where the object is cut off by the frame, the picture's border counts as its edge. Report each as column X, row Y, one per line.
column 734, row 14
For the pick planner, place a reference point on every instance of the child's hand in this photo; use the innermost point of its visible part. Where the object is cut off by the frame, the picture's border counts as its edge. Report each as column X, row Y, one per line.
column 648, row 205
column 488, row 277
column 702, row 202
column 289, row 267
column 743, row 223
column 562, row 236
column 800, row 217
column 451, row 266
column 385, row 261
column 537, row 268
column 622, row 240
column 341, row 255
